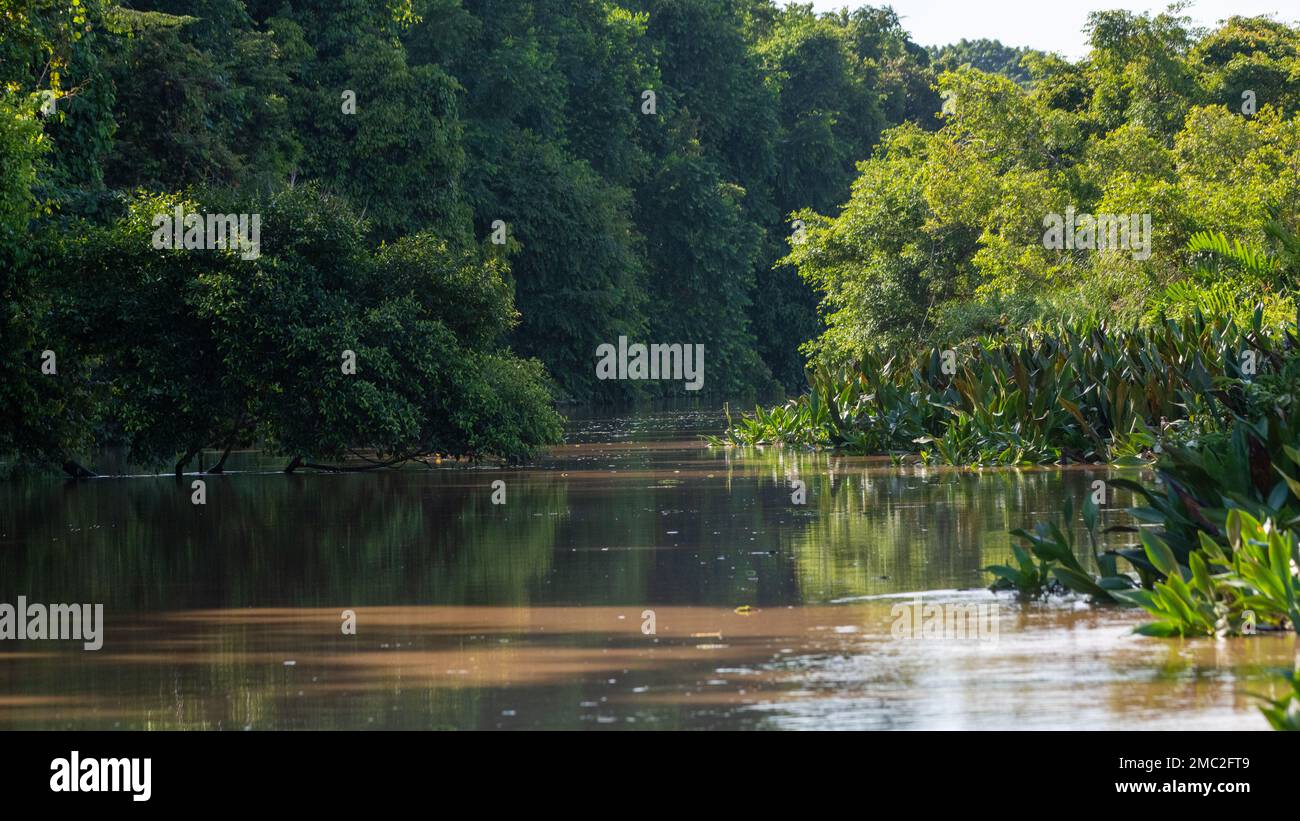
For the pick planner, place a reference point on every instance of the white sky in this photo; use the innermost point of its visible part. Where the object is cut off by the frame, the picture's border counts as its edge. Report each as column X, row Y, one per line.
column 1049, row 26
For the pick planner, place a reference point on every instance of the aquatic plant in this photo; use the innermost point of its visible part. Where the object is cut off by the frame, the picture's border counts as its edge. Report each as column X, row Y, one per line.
column 1064, row 392
column 1193, row 601
column 1284, row 713
column 1057, row 567
column 1233, row 579
column 1031, row 576
column 1220, row 546
column 1222, row 560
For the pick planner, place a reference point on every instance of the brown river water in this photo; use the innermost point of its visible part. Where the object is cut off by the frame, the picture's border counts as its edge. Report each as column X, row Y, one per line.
column 634, row 578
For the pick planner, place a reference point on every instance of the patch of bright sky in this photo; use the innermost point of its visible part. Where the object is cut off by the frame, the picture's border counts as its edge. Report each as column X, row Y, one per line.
column 1045, row 26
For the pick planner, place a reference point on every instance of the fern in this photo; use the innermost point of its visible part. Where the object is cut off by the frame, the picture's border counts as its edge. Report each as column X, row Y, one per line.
column 1215, row 247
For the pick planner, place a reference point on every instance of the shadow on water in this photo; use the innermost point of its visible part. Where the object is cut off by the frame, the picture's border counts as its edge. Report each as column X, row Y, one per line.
column 532, row 613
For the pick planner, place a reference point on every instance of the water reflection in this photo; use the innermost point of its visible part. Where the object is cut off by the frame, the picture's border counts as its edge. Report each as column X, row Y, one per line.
column 530, row 614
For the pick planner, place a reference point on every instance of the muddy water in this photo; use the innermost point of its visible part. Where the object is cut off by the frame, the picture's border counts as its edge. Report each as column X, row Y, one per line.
column 633, row 579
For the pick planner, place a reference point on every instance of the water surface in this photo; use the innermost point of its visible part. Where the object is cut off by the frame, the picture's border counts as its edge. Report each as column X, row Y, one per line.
column 534, row 613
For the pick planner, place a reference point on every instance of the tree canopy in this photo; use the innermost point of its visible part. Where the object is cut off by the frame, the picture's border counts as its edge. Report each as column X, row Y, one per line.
column 943, row 234
column 739, row 174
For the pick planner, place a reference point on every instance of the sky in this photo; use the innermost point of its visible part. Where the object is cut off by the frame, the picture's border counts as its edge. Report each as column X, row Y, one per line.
column 1042, row 25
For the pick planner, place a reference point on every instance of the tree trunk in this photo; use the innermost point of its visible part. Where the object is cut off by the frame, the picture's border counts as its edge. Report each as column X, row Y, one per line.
column 220, row 466
column 76, row 471
column 185, row 460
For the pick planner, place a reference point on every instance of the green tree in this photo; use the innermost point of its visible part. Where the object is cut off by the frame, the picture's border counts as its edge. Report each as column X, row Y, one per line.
column 989, row 56
column 253, row 350
column 208, row 106
column 1249, row 56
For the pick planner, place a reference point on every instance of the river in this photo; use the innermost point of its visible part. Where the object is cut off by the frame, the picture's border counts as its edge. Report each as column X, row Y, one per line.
column 634, row 578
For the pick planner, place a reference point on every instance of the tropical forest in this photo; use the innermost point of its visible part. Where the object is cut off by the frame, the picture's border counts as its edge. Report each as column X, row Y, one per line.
column 665, row 364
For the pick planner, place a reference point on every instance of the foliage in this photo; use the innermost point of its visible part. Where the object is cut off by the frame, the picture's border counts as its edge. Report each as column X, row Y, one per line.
column 1220, row 550
column 1048, row 562
column 1284, row 713
column 1238, row 575
column 942, row 236
column 251, row 351
column 218, row 106
column 37, row 410
column 676, row 225
column 1076, row 392
column 658, row 225
column 989, row 56
column 1233, row 505
column 1219, row 592
column 1229, row 277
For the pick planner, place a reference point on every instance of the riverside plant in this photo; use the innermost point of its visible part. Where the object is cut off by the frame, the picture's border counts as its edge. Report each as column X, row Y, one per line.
column 1060, row 393
column 1048, row 563
column 1220, row 555
column 1220, row 550
column 1284, row 713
